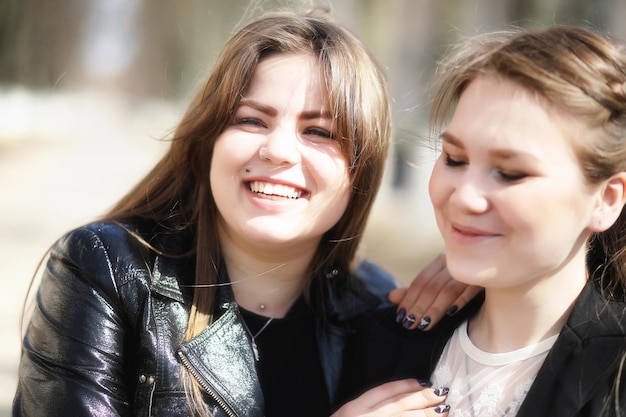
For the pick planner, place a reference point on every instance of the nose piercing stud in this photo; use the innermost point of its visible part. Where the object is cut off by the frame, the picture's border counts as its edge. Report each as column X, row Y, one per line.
column 262, row 153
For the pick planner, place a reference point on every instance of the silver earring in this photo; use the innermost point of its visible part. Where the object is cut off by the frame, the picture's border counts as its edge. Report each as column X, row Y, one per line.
column 262, row 153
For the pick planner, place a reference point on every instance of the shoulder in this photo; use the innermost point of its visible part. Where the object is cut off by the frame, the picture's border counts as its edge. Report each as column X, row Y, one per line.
column 123, row 262
column 123, row 242
column 101, row 256
column 97, row 242
column 596, row 315
column 113, row 253
column 375, row 279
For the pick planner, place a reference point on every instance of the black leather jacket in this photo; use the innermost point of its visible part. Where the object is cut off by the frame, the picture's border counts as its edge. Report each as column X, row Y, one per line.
column 104, row 338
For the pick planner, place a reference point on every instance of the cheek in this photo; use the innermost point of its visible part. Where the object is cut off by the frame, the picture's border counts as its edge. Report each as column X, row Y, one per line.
column 437, row 188
column 545, row 213
column 329, row 169
column 216, row 166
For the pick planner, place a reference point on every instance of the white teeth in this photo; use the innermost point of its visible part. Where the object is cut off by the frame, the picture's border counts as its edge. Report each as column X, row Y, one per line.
column 274, row 189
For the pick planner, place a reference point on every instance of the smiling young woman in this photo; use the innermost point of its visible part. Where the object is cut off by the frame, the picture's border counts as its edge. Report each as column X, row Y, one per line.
column 529, row 193
column 222, row 284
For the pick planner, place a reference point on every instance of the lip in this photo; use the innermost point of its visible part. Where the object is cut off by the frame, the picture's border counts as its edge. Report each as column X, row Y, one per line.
column 468, row 234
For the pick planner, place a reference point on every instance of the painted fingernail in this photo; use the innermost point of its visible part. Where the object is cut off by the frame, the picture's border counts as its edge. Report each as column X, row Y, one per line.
column 400, row 315
column 452, row 310
column 425, row 383
column 442, row 408
column 424, row 322
column 408, row 321
column 441, row 391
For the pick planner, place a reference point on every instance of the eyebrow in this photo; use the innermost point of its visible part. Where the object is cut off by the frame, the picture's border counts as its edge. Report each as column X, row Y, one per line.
column 496, row 153
column 270, row 111
column 451, row 139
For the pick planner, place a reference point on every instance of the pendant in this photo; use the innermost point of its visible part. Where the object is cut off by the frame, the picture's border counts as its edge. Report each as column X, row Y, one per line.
column 255, row 350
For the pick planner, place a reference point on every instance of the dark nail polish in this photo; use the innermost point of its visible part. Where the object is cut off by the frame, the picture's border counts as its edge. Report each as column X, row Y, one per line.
column 424, row 322
column 400, row 315
column 452, row 310
column 408, row 321
column 441, row 391
column 425, row 383
column 442, row 408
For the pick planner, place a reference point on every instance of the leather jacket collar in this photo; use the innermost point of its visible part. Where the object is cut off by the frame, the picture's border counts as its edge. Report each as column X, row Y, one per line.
column 225, row 367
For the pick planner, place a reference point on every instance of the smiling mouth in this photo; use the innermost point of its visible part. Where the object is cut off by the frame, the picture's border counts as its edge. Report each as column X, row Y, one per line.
column 275, row 191
column 471, row 233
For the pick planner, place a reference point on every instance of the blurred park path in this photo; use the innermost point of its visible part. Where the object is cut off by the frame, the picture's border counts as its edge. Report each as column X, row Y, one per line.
column 65, row 158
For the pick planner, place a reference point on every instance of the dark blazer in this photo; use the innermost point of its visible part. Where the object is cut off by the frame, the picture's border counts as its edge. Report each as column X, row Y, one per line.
column 581, row 375
column 105, row 335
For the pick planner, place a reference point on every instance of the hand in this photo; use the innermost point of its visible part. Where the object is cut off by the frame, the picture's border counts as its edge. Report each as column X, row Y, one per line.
column 406, row 398
column 432, row 294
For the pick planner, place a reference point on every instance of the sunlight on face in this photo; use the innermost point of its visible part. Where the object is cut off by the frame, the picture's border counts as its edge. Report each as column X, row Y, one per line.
column 278, row 176
column 508, row 192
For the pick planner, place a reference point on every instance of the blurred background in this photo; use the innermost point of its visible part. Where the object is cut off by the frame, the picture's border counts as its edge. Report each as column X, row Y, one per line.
column 89, row 90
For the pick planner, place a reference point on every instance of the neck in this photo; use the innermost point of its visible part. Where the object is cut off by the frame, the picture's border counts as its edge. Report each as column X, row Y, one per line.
column 266, row 281
column 515, row 317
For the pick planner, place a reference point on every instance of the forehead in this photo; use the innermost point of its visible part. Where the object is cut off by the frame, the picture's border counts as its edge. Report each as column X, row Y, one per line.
column 289, row 78
column 497, row 112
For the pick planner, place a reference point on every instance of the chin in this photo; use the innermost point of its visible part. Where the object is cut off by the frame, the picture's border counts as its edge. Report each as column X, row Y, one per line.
column 472, row 273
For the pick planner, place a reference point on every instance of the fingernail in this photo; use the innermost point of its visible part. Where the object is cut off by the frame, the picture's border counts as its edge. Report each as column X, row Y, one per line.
column 425, row 383
column 452, row 310
column 408, row 321
column 441, row 391
column 400, row 315
column 424, row 322
column 442, row 408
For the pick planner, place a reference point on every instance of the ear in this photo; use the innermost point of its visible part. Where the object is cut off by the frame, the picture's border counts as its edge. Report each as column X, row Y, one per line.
column 612, row 199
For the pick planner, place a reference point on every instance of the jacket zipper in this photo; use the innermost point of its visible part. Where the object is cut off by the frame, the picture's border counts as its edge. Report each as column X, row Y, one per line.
column 205, row 386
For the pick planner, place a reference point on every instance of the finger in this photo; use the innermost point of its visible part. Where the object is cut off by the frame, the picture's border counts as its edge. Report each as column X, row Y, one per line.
column 371, row 399
column 407, row 311
column 434, row 300
column 389, row 390
column 405, row 403
column 441, row 306
column 470, row 292
column 451, row 297
column 395, row 296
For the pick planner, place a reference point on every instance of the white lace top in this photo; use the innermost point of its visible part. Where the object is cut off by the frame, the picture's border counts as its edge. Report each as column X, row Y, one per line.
column 487, row 384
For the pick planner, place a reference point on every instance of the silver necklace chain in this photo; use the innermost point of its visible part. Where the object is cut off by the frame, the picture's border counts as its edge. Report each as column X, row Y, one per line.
column 255, row 349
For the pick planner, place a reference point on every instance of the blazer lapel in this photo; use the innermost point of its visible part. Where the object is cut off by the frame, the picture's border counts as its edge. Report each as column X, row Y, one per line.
column 582, row 362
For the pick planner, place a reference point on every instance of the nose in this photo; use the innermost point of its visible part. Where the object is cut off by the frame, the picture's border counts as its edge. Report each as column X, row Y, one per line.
column 281, row 147
column 470, row 194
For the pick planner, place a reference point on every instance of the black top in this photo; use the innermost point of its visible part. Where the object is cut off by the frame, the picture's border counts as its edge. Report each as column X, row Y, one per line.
column 288, row 347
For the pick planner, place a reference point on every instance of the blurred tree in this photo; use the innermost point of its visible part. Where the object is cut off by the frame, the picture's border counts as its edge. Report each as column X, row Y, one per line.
column 42, row 41
column 38, row 40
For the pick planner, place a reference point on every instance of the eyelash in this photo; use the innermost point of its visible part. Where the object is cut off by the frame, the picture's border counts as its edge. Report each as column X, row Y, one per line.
column 319, row 132
column 453, row 163
column 511, row 177
column 249, row 121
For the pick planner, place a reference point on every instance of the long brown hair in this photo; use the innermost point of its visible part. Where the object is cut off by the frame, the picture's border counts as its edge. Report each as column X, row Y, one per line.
column 177, row 191
column 576, row 69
